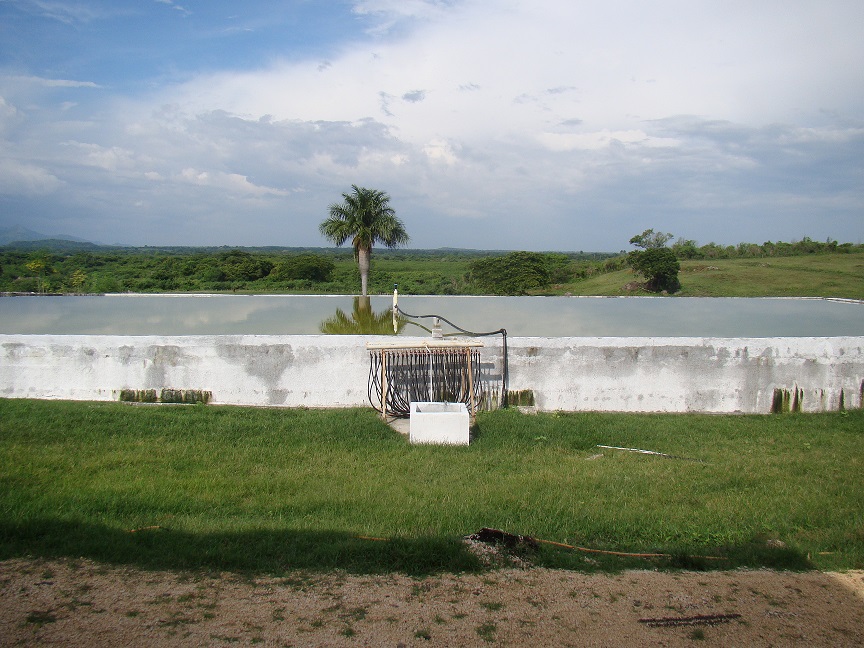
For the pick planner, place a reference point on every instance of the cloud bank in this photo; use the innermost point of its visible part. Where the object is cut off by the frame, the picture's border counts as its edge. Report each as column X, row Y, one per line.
column 545, row 125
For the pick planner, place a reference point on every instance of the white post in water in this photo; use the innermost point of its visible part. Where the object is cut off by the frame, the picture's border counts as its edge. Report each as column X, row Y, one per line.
column 395, row 308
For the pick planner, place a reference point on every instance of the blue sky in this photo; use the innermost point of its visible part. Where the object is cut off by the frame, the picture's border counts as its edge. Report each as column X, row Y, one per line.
column 495, row 124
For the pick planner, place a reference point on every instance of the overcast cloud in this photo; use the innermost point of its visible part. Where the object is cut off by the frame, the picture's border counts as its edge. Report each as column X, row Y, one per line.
column 511, row 124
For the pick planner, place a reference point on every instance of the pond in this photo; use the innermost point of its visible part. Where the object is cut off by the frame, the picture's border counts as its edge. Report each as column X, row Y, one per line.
column 521, row 316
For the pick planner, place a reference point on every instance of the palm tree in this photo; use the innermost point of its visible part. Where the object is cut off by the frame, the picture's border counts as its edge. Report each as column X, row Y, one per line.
column 366, row 217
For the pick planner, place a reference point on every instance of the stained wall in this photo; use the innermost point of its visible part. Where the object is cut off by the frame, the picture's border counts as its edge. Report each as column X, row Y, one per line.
column 567, row 374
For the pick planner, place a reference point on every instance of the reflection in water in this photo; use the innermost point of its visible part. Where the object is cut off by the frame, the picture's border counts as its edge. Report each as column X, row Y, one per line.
column 521, row 316
column 362, row 321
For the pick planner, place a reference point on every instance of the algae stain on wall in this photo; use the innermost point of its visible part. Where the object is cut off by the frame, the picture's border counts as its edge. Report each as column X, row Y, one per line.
column 177, row 396
column 785, row 401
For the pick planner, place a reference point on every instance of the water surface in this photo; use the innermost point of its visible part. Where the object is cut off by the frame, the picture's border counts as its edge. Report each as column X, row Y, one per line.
column 521, row 316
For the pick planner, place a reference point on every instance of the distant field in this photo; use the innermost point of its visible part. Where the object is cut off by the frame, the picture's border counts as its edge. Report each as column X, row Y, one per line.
column 818, row 275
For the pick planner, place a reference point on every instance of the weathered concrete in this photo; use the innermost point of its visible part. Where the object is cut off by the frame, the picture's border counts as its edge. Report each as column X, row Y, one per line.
column 687, row 374
column 570, row 374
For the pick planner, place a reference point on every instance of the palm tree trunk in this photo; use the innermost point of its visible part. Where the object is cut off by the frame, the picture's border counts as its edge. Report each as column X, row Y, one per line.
column 363, row 254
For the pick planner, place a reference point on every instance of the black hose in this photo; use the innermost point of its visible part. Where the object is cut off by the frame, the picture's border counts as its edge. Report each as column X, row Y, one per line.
column 502, row 332
column 422, row 375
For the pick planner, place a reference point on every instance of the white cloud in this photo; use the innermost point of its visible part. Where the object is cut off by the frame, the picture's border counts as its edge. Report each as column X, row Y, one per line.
column 65, row 83
column 602, row 139
column 8, row 114
column 439, row 150
column 18, row 83
column 64, row 12
column 230, row 183
column 533, row 64
column 176, row 7
column 24, row 179
column 112, row 158
column 390, row 13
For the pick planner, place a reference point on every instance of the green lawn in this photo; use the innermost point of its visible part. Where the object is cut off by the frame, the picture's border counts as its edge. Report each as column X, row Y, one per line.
column 815, row 275
column 273, row 490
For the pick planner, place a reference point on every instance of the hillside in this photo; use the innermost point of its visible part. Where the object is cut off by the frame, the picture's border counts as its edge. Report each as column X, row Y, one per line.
column 817, row 275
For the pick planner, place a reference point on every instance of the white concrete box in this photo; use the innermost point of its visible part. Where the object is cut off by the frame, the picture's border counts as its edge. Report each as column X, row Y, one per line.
column 445, row 423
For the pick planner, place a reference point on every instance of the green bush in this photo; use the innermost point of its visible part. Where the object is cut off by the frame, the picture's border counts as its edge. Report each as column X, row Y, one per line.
column 513, row 274
column 303, row 266
column 241, row 266
column 659, row 266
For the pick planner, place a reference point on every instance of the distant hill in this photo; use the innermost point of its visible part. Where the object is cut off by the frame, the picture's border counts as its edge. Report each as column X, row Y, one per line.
column 57, row 246
column 19, row 234
column 22, row 238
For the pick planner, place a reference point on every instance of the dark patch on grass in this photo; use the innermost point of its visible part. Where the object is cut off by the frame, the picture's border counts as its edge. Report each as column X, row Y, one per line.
column 487, row 631
column 492, row 607
column 272, row 552
column 176, row 621
column 40, row 617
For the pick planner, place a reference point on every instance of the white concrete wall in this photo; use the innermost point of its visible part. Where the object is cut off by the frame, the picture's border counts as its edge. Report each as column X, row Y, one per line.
column 687, row 374
column 571, row 374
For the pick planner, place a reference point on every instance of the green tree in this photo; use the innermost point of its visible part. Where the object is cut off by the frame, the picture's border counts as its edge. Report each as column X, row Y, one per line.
column 37, row 266
column 366, row 217
column 659, row 266
column 240, row 266
column 78, row 279
column 649, row 240
column 686, row 249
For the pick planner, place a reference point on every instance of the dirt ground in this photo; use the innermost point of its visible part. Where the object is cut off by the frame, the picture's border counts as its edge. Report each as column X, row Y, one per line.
column 82, row 603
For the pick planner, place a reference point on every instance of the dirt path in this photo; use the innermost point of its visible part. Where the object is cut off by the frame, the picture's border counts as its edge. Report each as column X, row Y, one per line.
column 81, row 603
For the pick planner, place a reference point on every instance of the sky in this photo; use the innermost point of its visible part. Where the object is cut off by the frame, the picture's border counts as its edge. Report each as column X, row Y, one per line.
column 543, row 125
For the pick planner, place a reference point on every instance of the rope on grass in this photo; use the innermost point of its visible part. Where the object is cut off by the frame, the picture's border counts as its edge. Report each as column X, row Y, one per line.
column 603, row 551
column 622, row 553
column 495, row 536
column 509, row 539
column 649, row 452
column 147, row 528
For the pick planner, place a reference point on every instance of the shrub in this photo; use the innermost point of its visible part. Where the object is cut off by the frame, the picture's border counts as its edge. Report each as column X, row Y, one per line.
column 303, row 266
column 659, row 266
column 513, row 274
column 241, row 266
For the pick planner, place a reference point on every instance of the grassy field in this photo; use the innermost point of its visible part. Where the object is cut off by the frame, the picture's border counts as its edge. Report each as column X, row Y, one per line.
column 273, row 490
column 816, row 275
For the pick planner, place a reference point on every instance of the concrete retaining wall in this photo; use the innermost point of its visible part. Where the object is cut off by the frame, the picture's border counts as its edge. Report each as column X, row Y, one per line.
column 688, row 374
column 570, row 374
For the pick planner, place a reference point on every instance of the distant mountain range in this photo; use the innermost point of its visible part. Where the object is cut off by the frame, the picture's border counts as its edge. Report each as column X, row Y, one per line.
column 23, row 238
column 19, row 234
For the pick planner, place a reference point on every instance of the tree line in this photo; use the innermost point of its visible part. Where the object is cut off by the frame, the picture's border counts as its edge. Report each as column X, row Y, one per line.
column 687, row 249
column 329, row 271
column 142, row 270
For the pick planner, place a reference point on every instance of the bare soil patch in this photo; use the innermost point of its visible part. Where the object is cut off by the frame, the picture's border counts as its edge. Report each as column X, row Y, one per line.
column 82, row 603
